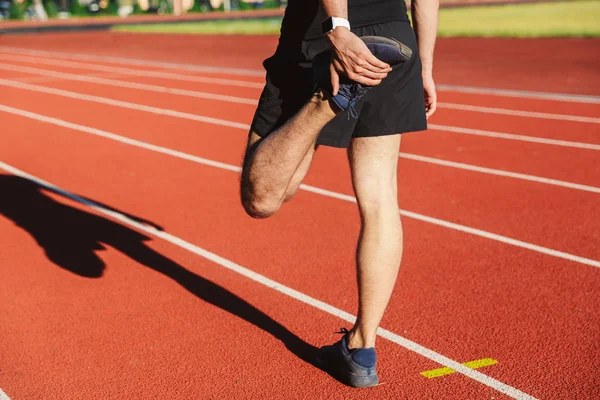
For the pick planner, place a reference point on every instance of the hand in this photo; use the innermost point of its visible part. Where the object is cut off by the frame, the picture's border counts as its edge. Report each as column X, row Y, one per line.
column 352, row 58
column 430, row 94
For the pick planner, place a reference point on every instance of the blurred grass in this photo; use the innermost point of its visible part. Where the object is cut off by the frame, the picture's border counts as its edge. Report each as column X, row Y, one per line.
column 561, row 19
column 573, row 18
column 267, row 26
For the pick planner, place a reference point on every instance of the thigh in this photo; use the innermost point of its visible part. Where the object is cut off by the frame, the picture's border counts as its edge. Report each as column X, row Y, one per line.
column 373, row 163
column 254, row 140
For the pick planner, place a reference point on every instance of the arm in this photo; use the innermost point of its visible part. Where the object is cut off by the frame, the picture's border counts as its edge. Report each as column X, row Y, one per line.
column 351, row 57
column 425, row 21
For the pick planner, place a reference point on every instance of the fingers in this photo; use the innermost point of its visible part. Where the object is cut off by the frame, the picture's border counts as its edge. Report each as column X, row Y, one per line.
column 335, row 78
column 367, row 73
column 365, row 77
column 357, row 74
column 430, row 95
column 376, row 65
column 430, row 108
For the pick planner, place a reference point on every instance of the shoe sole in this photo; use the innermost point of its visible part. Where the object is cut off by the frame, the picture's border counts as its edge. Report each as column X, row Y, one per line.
column 391, row 43
column 347, row 377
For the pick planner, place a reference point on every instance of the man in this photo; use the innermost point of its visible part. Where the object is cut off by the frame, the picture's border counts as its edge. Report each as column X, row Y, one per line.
column 293, row 118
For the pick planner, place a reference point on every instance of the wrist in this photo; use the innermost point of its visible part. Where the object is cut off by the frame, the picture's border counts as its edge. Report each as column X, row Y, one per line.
column 426, row 62
column 337, row 34
column 427, row 68
column 331, row 24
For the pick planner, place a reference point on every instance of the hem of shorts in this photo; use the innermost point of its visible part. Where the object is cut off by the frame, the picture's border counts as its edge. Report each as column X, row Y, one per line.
column 260, row 132
column 343, row 144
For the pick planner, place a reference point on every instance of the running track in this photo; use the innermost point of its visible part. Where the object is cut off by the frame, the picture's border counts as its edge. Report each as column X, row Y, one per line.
column 500, row 203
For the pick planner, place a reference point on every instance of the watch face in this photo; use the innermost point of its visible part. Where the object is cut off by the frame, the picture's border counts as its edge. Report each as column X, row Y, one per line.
column 327, row 25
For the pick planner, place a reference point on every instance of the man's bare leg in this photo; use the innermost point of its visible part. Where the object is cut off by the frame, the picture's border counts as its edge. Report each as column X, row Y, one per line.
column 373, row 162
column 275, row 166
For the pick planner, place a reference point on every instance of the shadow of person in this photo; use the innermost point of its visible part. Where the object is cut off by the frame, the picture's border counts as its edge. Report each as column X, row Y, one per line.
column 72, row 237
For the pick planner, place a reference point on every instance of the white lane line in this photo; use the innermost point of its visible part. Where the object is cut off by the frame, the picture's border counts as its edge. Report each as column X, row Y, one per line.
column 406, row 343
column 466, row 229
column 512, row 136
column 124, row 104
column 246, row 127
column 118, row 138
column 259, row 72
column 135, row 72
column 3, row 396
column 130, row 85
column 136, row 61
column 45, row 79
column 195, row 117
column 499, row 172
column 522, row 94
column 324, row 192
column 519, row 113
column 226, row 82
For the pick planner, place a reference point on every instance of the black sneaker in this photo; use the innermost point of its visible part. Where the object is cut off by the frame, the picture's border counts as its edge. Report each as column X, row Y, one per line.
column 356, row 367
column 387, row 50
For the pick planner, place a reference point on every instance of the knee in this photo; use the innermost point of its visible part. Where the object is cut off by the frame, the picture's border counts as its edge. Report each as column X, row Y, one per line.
column 259, row 202
column 378, row 202
column 260, row 208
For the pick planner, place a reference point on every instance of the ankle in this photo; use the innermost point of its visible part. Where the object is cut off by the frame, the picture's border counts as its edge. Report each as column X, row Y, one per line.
column 323, row 105
column 357, row 339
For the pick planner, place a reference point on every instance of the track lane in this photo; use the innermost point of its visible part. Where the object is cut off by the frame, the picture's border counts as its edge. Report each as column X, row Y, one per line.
column 506, row 218
column 134, row 72
column 554, row 129
column 508, row 102
column 170, row 344
column 457, row 341
column 580, row 161
column 162, row 340
column 216, row 50
column 162, row 100
column 489, row 63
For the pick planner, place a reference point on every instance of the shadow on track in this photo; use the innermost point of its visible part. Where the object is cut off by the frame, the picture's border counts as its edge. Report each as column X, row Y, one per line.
column 71, row 237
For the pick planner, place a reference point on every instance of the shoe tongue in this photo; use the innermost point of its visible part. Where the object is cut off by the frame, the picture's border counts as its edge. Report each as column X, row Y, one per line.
column 364, row 357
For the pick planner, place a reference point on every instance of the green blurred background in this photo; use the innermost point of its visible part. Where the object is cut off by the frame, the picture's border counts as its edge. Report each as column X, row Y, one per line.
column 457, row 17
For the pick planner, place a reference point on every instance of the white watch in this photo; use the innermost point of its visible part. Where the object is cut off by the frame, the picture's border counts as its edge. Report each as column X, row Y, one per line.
column 333, row 22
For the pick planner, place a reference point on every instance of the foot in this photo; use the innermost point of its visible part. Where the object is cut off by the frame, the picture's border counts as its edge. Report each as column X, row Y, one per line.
column 387, row 50
column 356, row 367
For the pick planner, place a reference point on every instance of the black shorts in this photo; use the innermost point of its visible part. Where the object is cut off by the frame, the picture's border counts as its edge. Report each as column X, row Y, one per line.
column 394, row 106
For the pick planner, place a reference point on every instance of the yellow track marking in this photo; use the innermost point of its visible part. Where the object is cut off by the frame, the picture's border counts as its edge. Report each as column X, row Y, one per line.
column 434, row 373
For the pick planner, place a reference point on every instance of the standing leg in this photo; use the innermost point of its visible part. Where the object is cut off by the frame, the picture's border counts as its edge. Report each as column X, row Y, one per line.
column 275, row 165
column 373, row 162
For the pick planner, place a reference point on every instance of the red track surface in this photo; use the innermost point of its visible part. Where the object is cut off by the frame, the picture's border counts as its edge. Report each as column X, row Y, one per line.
column 162, row 322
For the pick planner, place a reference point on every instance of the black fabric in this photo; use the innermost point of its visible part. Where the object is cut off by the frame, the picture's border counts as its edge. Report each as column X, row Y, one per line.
column 394, row 106
column 362, row 13
column 302, row 20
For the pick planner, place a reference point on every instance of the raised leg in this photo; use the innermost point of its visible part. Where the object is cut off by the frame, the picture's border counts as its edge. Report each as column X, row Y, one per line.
column 275, row 166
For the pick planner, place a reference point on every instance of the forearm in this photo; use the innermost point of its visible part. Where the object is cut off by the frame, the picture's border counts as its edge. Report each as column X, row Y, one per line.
column 425, row 22
column 335, row 8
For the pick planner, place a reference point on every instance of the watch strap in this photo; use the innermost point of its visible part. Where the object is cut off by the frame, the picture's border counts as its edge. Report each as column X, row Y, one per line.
column 331, row 23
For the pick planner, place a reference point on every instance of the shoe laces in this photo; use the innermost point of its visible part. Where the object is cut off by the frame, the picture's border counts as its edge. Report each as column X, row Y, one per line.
column 343, row 331
column 354, row 93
